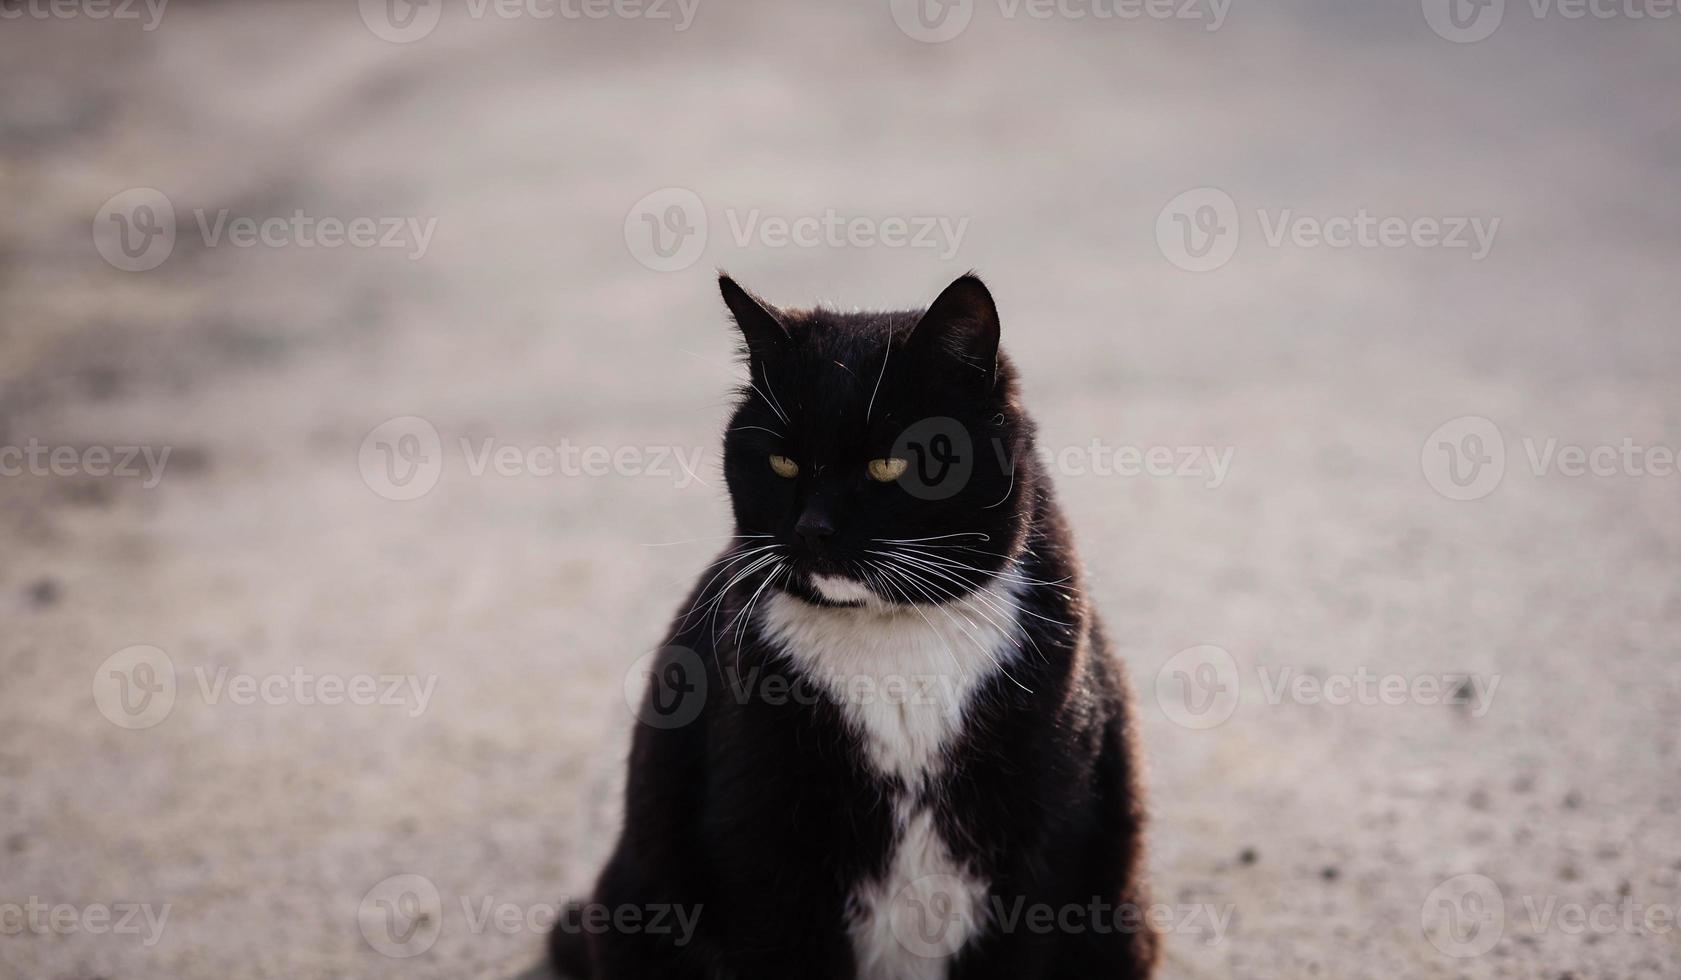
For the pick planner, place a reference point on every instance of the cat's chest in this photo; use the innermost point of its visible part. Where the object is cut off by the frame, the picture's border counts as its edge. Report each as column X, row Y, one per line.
column 905, row 679
column 906, row 682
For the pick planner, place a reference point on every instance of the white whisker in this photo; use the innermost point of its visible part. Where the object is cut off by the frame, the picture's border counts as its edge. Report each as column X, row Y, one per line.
column 715, row 537
column 729, row 559
column 870, row 408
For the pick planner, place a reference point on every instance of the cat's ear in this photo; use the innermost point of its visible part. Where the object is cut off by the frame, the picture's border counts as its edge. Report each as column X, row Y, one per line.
column 962, row 324
column 761, row 326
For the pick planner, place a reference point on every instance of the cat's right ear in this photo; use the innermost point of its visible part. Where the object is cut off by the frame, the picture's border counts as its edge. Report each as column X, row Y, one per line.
column 761, row 326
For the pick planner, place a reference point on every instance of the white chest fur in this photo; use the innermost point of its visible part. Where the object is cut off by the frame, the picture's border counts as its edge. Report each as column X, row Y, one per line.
column 904, row 678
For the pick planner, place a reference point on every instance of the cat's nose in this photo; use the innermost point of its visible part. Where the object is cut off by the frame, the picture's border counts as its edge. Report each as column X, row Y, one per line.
column 814, row 527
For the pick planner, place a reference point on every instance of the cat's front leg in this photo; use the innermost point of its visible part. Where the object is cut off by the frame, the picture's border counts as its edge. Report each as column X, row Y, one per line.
column 665, row 941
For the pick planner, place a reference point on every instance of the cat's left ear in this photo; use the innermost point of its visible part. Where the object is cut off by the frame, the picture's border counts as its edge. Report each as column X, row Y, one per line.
column 761, row 327
column 962, row 324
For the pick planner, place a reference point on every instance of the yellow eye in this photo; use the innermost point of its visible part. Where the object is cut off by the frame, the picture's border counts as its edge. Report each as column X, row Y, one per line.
column 784, row 467
column 887, row 470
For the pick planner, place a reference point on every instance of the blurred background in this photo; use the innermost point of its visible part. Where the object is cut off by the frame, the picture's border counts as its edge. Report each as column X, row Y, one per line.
column 362, row 371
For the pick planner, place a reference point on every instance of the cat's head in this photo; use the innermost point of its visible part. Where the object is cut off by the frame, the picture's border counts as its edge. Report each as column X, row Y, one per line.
column 878, row 458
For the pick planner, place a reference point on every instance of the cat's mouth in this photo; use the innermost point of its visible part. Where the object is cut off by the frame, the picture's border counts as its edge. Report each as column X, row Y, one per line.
column 830, row 583
column 845, row 591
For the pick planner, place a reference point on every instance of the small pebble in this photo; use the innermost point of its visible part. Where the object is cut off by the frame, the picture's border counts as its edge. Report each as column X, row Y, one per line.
column 44, row 592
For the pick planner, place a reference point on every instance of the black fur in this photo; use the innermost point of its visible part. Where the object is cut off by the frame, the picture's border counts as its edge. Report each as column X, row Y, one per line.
column 765, row 812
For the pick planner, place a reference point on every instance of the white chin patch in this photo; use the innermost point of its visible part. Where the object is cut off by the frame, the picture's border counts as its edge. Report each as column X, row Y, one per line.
column 841, row 589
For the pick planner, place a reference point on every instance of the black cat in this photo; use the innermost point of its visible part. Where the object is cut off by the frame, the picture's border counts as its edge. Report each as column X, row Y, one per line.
column 886, row 737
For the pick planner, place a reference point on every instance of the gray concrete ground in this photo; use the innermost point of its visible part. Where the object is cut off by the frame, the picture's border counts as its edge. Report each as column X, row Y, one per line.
column 1326, row 837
